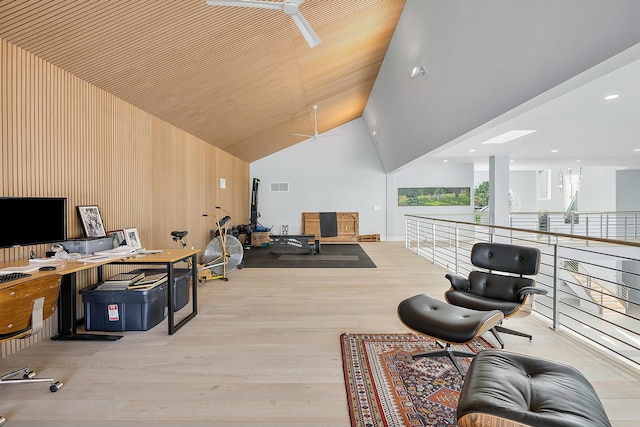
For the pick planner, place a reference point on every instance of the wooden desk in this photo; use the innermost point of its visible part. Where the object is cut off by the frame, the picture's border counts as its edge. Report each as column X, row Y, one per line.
column 168, row 258
column 67, row 321
column 67, row 315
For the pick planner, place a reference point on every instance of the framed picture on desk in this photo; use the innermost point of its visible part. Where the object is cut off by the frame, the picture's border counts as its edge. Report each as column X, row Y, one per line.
column 118, row 237
column 91, row 221
column 132, row 237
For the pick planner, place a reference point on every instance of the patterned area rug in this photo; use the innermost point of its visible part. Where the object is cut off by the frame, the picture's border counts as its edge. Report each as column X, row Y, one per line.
column 386, row 387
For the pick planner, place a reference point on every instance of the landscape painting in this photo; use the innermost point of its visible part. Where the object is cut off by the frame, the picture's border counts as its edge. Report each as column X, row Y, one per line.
column 434, row 196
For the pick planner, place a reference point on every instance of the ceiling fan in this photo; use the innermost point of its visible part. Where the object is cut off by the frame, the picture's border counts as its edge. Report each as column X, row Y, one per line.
column 315, row 125
column 290, row 7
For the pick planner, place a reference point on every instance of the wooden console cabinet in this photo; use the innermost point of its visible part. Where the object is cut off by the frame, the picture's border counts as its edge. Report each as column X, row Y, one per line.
column 348, row 226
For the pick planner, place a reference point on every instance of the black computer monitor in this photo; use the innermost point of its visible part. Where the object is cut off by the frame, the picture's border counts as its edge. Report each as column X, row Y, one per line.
column 32, row 220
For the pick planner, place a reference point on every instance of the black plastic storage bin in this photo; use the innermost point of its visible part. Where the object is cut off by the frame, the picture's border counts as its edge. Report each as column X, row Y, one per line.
column 181, row 284
column 124, row 310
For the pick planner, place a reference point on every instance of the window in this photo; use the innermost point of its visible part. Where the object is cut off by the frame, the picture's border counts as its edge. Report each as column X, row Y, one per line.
column 544, row 184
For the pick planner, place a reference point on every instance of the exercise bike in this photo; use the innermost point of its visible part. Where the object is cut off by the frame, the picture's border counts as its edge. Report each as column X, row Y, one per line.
column 222, row 255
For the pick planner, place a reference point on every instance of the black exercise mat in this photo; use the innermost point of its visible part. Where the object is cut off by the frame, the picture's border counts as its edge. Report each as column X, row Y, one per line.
column 332, row 255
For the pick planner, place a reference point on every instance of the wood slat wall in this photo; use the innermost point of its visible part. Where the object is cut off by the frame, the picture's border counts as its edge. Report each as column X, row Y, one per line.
column 64, row 137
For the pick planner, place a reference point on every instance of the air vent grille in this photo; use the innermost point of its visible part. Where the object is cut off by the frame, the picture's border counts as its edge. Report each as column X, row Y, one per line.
column 279, row 187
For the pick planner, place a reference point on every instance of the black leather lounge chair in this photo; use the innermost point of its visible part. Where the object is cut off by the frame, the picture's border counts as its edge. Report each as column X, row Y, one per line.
column 502, row 287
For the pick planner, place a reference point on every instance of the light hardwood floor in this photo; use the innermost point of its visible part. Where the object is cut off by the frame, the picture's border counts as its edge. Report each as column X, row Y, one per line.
column 264, row 351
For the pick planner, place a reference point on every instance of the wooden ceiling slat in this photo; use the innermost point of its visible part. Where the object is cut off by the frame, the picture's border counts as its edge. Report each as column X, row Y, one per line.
column 242, row 79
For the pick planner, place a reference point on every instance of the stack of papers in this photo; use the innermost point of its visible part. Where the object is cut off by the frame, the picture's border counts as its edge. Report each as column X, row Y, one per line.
column 42, row 261
column 19, row 269
column 124, row 278
column 117, row 252
column 149, row 251
column 112, row 287
column 149, row 281
column 101, row 256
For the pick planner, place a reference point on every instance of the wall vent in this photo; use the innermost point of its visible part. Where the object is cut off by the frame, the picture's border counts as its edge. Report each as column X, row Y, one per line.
column 279, row 187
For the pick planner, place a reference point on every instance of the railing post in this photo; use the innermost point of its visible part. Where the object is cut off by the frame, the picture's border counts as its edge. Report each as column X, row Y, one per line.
column 417, row 237
column 433, row 245
column 456, row 247
column 587, row 225
column 556, row 307
column 572, row 223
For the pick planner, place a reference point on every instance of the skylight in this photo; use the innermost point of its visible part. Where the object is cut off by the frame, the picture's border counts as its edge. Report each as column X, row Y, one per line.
column 508, row 136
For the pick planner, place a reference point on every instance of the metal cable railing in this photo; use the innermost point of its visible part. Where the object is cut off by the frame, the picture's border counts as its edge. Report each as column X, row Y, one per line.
column 605, row 225
column 593, row 283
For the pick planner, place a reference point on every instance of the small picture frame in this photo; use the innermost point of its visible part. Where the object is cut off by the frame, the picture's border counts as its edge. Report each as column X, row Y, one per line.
column 91, row 221
column 132, row 238
column 118, row 237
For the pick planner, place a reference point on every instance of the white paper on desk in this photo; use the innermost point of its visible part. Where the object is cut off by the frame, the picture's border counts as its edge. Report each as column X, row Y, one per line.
column 120, row 250
column 98, row 258
column 19, row 269
column 42, row 261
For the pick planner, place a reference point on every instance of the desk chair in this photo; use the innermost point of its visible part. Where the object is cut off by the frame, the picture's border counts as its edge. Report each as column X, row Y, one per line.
column 23, row 309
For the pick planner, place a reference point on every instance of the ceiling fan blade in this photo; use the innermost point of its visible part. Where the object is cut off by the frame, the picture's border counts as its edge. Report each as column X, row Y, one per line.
column 290, row 7
column 302, row 134
column 307, row 32
column 247, row 3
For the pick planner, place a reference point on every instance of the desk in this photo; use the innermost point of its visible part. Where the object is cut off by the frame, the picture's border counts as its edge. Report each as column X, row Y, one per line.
column 67, row 316
column 67, row 300
column 168, row 258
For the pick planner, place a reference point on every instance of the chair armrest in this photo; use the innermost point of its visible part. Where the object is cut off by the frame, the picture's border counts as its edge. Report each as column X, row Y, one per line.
column 530, row 290
column 459, row 282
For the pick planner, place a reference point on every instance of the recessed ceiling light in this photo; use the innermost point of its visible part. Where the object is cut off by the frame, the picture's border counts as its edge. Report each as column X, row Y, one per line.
column 473, row 150
column 637, row 149
column 508, row 136
column 446, row 161
column 612, row 96
column 554, row 151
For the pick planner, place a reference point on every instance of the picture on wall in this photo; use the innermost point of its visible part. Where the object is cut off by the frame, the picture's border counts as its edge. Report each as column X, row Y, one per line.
column 434, row 196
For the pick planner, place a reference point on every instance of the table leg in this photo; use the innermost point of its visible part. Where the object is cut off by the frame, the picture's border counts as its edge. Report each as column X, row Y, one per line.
column 194, row 295
column 67, row 329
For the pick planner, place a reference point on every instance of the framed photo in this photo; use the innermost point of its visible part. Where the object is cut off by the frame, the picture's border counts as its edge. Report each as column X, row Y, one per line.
column 132, row 238
column 118, row 237
column 91, row 221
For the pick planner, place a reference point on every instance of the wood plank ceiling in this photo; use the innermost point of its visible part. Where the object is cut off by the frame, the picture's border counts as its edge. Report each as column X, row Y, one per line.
column 242, row 79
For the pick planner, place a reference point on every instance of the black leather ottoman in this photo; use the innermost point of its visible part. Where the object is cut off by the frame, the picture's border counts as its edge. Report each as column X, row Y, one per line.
column 513, row 390
column 446, row 322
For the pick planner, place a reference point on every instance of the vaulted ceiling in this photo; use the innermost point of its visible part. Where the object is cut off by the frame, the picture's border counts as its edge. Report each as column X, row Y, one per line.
column 242, row 79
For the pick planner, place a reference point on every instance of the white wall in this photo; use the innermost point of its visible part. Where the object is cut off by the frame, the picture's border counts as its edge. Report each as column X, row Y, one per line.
column 341, row 172
column 597, row 191
column 338, row 172
column 628, row 190
column 427, row 175
column 522, row 185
